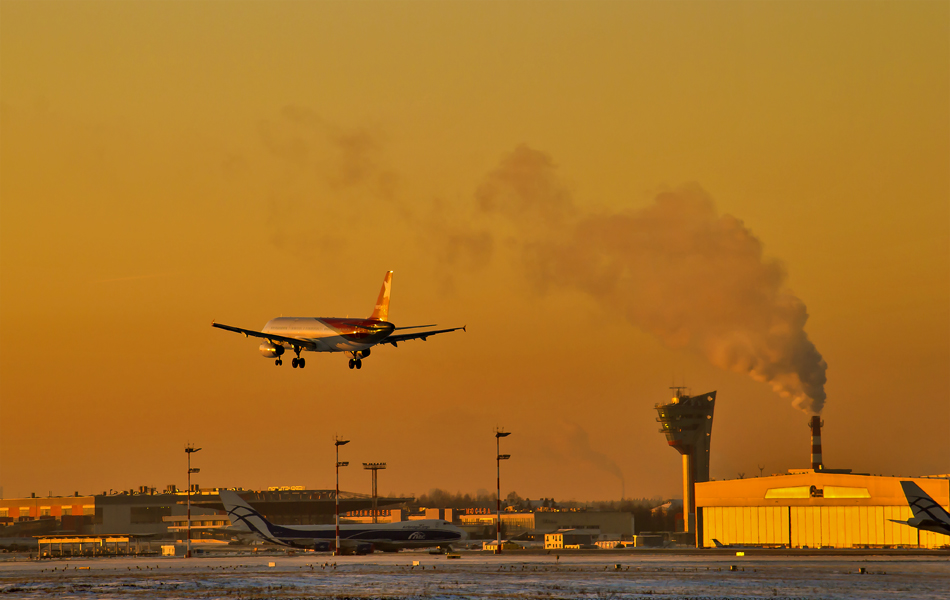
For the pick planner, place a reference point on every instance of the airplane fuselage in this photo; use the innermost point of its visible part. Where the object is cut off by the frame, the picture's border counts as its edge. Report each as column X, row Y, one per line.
column 384, row 536
column 928, row 525
column 387, row 536
column 330, row 334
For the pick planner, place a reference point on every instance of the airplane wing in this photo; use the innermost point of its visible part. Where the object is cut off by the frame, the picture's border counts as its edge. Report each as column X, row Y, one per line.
column 269, row 336
column 405, row 337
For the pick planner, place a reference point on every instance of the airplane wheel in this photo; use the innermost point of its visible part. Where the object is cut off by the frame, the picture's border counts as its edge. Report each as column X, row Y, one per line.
column 302, row 362
column 293, row 363
column 352, row 363
column 359, row 364
column 277, row 362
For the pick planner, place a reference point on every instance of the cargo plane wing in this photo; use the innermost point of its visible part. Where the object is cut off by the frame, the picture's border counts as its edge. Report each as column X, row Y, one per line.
column 355, row 337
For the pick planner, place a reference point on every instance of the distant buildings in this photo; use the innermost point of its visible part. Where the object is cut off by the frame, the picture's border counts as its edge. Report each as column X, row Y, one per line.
column 163, row 515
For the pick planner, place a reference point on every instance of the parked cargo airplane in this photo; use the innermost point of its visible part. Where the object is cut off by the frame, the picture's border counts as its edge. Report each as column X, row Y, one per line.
column 388, row 537
column 353, row 336
column 928, row 515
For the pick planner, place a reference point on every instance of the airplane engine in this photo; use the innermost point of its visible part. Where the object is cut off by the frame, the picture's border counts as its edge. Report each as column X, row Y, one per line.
column 271, row 350
column 362, row 549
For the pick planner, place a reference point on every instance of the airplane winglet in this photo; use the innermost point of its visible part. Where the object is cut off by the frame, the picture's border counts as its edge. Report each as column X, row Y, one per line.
column 465, row 328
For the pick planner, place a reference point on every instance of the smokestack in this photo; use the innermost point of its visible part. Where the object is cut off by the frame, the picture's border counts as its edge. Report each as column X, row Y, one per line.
column 816, row 443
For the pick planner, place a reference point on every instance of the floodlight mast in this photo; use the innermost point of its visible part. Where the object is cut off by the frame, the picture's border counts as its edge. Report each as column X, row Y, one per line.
column 499, row 433
column 189, row 450
column 338, row 442
column 374, row 467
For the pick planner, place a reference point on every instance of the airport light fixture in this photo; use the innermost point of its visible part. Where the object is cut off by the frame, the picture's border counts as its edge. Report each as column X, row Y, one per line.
column 338, row 442
column 374, row 467
column 189, row 450
column 499, row 433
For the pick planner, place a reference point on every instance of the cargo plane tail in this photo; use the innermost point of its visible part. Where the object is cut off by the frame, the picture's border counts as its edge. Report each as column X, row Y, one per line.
column 928, row 515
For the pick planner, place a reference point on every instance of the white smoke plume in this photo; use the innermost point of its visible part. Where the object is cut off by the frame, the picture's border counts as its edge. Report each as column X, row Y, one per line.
column 676, row 268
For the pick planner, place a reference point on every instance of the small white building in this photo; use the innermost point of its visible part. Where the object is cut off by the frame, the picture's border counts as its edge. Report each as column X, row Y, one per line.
column 564, row 538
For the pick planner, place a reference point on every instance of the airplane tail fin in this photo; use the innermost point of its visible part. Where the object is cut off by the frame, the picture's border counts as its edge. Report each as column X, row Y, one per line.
column 244, row 517
column 924, row 507
column 381, row 312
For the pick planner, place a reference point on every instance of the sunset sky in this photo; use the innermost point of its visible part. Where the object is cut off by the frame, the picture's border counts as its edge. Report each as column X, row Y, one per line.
column 526, row 169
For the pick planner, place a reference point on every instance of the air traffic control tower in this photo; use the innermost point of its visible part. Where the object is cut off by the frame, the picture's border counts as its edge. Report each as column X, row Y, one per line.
column 687, row 423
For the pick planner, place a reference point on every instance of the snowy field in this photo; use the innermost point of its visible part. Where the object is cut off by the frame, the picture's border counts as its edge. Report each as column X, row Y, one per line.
column 478, row 575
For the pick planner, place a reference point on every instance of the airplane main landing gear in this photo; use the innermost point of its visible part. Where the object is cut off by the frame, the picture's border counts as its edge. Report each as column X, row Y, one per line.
column 356, row 363
column 297, row 362
column 278, row 362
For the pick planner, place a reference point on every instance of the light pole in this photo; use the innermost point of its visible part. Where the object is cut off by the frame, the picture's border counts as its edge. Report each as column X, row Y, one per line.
column 189, row 450
column 338, row 442
column 499, row 433
column 374, row 467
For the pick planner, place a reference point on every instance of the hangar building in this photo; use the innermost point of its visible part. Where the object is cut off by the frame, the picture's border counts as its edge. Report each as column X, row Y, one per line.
column 816, row 509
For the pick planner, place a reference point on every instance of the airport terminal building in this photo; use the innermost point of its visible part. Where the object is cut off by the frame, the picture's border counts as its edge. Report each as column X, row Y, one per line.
column 816, row 509
column 162, row 515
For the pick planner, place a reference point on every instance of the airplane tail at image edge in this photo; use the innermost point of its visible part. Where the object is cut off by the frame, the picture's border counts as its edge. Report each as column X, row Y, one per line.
column 915, row 494
column 381, row 311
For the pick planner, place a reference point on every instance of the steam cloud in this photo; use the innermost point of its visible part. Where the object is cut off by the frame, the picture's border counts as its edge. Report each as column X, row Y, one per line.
column 676, row 268
column 578, row 446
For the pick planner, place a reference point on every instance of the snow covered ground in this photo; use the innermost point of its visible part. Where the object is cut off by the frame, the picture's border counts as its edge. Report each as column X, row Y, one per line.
column 478, row 575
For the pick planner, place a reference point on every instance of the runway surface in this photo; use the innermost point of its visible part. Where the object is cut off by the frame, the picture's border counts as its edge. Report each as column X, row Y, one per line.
column 478, row 575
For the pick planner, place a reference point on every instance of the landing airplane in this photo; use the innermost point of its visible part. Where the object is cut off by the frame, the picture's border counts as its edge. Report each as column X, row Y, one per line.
column 928, row 515
column 352, row 336
column 360, row 539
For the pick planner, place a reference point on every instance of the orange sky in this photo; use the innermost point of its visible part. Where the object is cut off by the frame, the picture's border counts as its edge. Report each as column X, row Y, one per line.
column 166, row 164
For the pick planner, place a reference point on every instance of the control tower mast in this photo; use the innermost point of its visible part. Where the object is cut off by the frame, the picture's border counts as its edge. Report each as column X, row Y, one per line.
column 687, row 424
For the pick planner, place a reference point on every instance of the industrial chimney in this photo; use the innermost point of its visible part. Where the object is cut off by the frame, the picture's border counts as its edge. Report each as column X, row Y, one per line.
column 816, row 424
